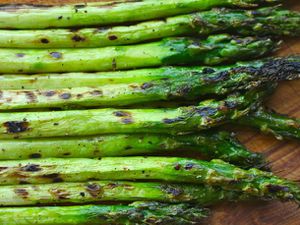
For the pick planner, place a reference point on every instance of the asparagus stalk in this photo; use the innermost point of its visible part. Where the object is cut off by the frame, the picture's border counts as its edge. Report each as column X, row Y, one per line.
column 171, row 169
column 104, row 13
column 184, row 84
column 271, row 122
column 180, row 120
column 170, row 51
column 96, row 191
column 144, row 213
column 265, row 21
column 270, row 69
column 210, row 144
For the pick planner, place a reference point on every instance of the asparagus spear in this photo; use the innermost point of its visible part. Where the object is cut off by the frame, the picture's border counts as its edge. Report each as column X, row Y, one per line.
column 270, row 69
column 265, row 21
column 104, row 13
column 180, row 120
column 183, row 84
column 216, row 173
column 143, row 213
column 210, row 144
column 170, row 51
column 271, row 122
column 95, row 191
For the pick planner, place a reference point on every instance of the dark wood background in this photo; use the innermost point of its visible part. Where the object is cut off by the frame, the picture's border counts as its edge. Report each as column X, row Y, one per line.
column 284, row 155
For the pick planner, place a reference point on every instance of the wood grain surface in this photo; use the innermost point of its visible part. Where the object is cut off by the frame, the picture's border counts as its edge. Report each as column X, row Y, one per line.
column 283, row 155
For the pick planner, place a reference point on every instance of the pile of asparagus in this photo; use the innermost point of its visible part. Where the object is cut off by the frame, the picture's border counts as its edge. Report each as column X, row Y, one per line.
column 97, row 99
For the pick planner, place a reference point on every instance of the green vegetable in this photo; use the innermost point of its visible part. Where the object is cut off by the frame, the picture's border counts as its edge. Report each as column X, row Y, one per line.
column 106, row 13
column 265, row 21
column 143, row 213
column 211, row 145
column 170, row 51
column 179, row 84
column 270, row 122
column 96, row 191
column 180, row 120
column 252, row 182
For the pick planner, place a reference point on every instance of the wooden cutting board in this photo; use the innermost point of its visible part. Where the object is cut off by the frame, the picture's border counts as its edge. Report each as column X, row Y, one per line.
column 284, row 155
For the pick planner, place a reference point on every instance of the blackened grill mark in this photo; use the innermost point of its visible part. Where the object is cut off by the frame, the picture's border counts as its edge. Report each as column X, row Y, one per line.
column 146, row 85
column 127, row 120
column 94, row 190
column 35, row 155
column 60, row 17
column 96, row 92
column 189, row 166
column 218, row 77
column 44, row 41
column 208, row 70
column 170, row 121
column 60, row 193
column 56, row 55
column 78, row 38
column 177, row 166
column 112, row 37
column 20, row 55
column 23, row 193
column 49, row 93
column 31, row 168
column 276, row 188
column 65, row 96
column 23, row 182
column 3, row 168
column 79, row 6
column 206, row 111
column 112, row 185
column 128, row 147
column 122, row 114
column 174, row 191
column 16, row 126
column 54, row 176
column 57, row 180
column 30, row 96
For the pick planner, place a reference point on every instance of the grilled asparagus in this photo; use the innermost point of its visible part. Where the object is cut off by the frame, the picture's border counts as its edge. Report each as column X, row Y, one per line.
column 106, row 13
column 170, row 51
column 144, row 213
column 180, row 120
column 265, row 21
column 253, row 182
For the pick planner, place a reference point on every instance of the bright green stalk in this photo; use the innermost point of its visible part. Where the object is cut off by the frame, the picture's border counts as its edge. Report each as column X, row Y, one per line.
column 170, row 51
column 220, row 145
column 143, row 213
column 273, row 123
column 265, row 21
column 109, row 191
column 106, row 13
column 279, row 68
column 179, row 84
column 180, row 120
column 182, row 170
